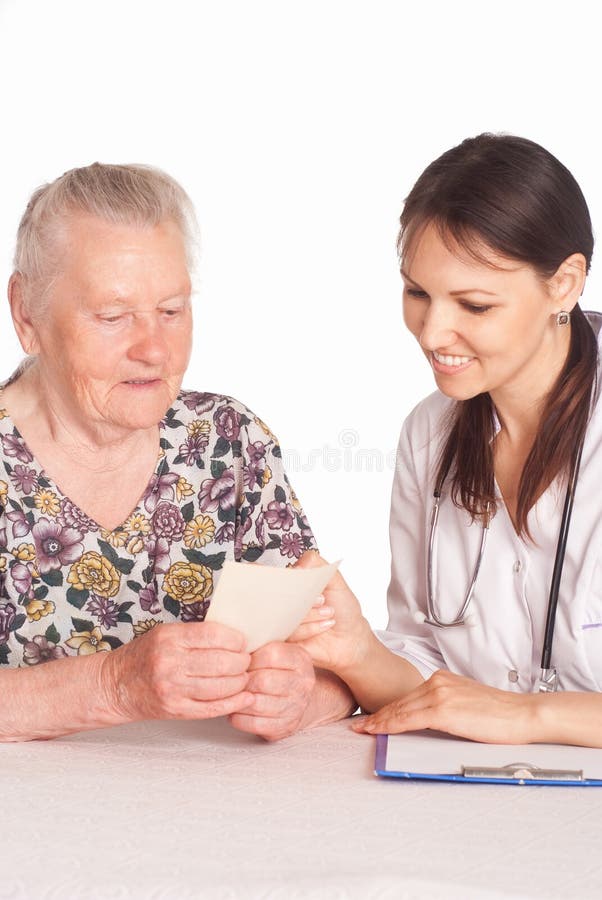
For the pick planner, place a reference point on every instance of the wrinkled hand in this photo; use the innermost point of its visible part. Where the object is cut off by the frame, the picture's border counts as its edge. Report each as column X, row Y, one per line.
column 181, row 670
column 459, row 706
column 281, row 680
column 334, row 632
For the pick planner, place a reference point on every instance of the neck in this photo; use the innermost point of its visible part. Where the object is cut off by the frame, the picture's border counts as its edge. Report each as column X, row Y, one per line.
column 519, row 404
column 98, row 447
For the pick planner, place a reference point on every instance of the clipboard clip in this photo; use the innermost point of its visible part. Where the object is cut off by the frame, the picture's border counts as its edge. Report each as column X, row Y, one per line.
column 522, row 772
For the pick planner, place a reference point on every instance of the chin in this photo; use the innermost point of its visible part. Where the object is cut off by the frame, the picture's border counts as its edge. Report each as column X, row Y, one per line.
column 458, row 392
column 140, row 415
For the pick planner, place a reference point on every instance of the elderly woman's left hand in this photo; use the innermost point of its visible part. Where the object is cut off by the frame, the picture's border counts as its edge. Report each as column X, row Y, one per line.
column 281, row 677
column 460, row 706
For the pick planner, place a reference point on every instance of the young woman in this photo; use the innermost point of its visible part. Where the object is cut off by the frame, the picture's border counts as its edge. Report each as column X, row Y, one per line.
column 495, row 601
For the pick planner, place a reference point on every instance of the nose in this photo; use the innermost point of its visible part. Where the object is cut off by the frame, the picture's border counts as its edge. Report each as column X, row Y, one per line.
column 148, row 344
column 437, row 329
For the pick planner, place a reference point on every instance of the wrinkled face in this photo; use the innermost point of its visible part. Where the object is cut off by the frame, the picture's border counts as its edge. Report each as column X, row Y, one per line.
column 481, row 328
column 116, row 339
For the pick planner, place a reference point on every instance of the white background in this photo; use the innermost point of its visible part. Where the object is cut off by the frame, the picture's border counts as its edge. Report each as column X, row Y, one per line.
column 297, row 128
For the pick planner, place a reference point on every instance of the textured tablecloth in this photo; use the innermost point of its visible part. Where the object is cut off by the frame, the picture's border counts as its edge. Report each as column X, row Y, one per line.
column 172, row 811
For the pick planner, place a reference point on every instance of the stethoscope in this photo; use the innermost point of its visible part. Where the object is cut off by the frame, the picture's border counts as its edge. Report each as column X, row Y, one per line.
column 548, row 678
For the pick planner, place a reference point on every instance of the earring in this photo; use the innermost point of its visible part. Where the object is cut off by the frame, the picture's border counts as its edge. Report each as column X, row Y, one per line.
column 563, row 318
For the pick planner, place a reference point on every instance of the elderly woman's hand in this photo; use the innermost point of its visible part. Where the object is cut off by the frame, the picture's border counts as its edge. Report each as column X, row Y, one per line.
column 182, row 670
column 281, row 679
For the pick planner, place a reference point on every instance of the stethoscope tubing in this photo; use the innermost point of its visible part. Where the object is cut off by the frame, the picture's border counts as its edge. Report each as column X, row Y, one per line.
column 567, row 511
column 548, row 675
column 431, row 617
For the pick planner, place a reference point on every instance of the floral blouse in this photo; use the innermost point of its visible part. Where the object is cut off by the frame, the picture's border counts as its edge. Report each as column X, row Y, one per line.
column 68, row 587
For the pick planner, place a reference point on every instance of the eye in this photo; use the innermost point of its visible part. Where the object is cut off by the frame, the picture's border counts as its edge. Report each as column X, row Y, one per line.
column 475, row 309
column 416, row 292
column 110, row 320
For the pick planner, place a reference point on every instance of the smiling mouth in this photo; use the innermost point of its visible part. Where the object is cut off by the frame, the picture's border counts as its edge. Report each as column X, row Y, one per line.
column 452, row 362
column 142, row 381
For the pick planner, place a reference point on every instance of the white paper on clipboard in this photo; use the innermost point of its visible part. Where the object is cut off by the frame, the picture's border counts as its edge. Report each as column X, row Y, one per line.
column 264, row 602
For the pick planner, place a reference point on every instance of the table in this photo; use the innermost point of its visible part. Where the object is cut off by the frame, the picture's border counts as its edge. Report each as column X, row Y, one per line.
column 183, row 810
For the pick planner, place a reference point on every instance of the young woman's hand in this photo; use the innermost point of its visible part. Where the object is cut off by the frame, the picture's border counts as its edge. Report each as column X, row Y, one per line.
column 460, row 706
column 334, row 632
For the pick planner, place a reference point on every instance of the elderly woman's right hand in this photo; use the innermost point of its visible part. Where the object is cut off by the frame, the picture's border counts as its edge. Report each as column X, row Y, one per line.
column 181, row 670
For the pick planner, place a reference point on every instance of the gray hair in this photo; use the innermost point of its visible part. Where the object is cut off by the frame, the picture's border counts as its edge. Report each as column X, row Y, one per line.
column 135, row 195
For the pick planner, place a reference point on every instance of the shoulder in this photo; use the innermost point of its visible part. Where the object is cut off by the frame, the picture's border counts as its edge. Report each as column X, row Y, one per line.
column 428, row 421
column 216, row 426
column 422, row 436
column 221, row 410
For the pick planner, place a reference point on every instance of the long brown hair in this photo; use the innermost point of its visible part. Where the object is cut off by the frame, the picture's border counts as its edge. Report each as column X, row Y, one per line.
column 512, row 196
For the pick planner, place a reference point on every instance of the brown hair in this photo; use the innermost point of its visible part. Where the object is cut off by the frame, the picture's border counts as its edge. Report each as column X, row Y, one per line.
column 512, row 196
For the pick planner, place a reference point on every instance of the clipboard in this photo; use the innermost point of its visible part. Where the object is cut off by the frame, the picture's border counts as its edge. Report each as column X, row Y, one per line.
column 432, row 756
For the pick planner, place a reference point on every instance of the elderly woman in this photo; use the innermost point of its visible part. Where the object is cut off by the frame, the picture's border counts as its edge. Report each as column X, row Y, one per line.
column 121, row 495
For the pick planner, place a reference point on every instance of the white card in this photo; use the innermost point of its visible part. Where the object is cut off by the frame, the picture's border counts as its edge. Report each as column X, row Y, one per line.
column 264, row 602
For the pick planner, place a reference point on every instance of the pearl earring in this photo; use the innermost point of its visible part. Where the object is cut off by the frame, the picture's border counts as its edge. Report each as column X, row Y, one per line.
column 563, row 318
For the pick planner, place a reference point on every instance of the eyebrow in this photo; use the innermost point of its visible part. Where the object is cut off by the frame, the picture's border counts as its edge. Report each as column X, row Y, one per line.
column 120, row 300
column 456, row 293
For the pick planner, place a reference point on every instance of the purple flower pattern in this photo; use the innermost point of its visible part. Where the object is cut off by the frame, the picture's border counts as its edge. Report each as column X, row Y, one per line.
column 149, row 600
column 219, row 474
column 24, row 479
column 225, row 533
column 168, row 522
column 103, row 609
column 13, row 445
column 8, row 614
column 279, row 515
column 20, row 523
column 193, row 448
column 41, row 650
column 218, row 493
column 227, row 423
column 22, row 576
column 71, row 516
column 56, row 546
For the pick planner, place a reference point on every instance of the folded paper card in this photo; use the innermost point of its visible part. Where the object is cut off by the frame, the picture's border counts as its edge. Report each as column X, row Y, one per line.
column 264, row 602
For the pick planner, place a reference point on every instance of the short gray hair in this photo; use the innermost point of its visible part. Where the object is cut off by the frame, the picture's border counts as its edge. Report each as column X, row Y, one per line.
column 136, row 195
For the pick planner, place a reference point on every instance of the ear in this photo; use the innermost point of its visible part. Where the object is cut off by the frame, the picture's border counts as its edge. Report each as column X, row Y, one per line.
column 19, row 308
column 567, row 283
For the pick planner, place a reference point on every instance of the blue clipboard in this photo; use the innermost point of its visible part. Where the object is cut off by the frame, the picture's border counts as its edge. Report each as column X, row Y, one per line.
column 450, row 750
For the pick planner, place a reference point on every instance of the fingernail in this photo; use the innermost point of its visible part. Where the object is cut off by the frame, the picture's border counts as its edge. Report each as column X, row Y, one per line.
column 326, row 611
column 327, row 624
column 320, row 600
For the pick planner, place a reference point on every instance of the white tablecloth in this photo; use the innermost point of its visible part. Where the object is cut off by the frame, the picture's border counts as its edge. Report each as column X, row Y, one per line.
column 172, row 811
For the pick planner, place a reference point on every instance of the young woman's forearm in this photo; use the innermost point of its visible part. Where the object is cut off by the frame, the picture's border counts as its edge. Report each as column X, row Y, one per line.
column 54, row 699
column 379, row 676
column 566, row 717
